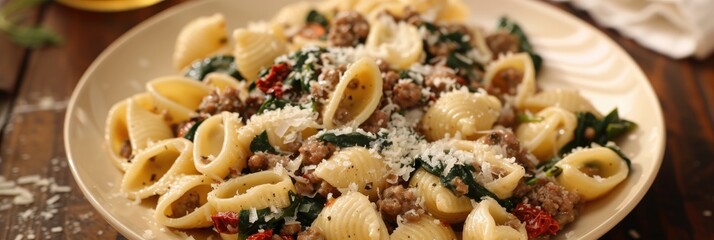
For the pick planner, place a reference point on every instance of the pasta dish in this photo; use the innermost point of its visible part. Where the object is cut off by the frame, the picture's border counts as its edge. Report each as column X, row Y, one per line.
column 368, row 119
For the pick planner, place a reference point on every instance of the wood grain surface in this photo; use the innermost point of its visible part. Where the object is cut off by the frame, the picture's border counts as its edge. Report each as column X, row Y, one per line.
column 35, row 86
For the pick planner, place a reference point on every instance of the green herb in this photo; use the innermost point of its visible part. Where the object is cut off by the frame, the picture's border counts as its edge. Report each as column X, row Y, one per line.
column 219, row 63
column 465, row 172
column 455, row 62
column 261, row 144
column 347, row 140
column 315, row 17
column 272, row 103
column 25, row 36
column 512, row 27
column 192, row 131
column 527, row 118
column 602, row 130
column 303, row 73
column 304, row 209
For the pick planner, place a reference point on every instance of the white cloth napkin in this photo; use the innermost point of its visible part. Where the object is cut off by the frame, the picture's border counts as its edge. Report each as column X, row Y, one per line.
column 676, row 28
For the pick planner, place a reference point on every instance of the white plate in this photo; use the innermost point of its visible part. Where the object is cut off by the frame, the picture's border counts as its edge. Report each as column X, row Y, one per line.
column 575, row 54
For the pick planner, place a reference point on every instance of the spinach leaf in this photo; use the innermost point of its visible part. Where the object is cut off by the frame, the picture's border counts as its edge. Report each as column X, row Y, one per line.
column 261, row 144
column 601, row 130
column 512, row 27
column 347, row 140
column 272, row 103
column 465, row 173
column 315, row 17
column 303, row 73
column 246, row 228
column 455, row 62
column 219, row 63
column 305, row 210
column 192, row 131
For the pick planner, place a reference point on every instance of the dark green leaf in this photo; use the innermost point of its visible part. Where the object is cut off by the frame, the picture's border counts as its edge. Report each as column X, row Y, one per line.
column 455, row 62
column 246, row 228
column 315, row 17
column 512, row 27
column 273, row 103
column 429, row 26
column 347, row 140
column 606, row 129
column 261, row 144
column 192, row 131
column 219, row 63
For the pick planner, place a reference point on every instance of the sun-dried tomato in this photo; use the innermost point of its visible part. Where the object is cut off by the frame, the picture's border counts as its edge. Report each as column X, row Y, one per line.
column 272, row 83
column 265, row 235
column 538, row 222
column 226, row 222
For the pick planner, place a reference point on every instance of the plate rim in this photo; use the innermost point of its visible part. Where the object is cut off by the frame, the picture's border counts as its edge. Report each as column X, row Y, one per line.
column 181, row 7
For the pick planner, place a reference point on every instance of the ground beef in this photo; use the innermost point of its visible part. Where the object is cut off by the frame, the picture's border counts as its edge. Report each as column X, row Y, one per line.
column 348, row 29
column 590, row 170
column 396, row 200
column 383, row 65
column 310, row 184
column 442, row 79
column 459, row 186
column 507, row 117
column 264, row 161
column 125, row 150
column 290, row 229
column 406, row 94
column 313, row 151
column 411, row 16
column 183, row 127
column 508, row 141
column 217, row 102
column 186, row 204
column 310, row 234
column 505, row 82
column 389, row 79
column 501, row 43
column 375, row 122
column 252, row 104
column 560, row 203
column 304, row 188
column 326, row 190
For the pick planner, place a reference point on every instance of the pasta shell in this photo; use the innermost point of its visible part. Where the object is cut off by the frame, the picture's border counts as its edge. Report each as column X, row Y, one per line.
column 453, row 11
column 545, row 137
column 185, row 205
column 216, row 147
column 116, row 132
column 610, row 169
column 155, row 168
column 256, row 190
column 426, row 228
column 177, row 96
column 144, row 126
column 256, row 50
column 521, row 62
column 354, row 165
column 399, row 44
column 460, row 112
column 199, row 39
column 358, row 93
column 488, row 221
column 569, row 100
column 351, row 216
column 498, row 174
column 439, row 200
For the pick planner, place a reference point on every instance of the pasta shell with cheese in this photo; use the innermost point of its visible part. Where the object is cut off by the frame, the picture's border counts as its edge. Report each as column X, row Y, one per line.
column 426, row 228
column 116, row 130
column 256, row 50
column 592, row 172
column 441, row 202
column 399, row 44
column 178, row 96
column 354, row 165
column 155, row 168
column 144, row 126
column 256, row 190
column 491, row 221
column 199, row 39
column 185, row 205
column 351, row 216
column 216, row 147
column 356, row 96
column 497, row 173
column 460, row 112
column 545, row 137
column 522, row 63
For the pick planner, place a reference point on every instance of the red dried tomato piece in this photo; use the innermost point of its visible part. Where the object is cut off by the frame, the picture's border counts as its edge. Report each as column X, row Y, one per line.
column 272, row 83
column 538, row 222
column 265, row 235
column 287, row 237
column 226, row 222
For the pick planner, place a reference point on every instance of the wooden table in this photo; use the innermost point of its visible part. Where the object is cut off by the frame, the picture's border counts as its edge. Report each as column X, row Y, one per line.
column 35, row 86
